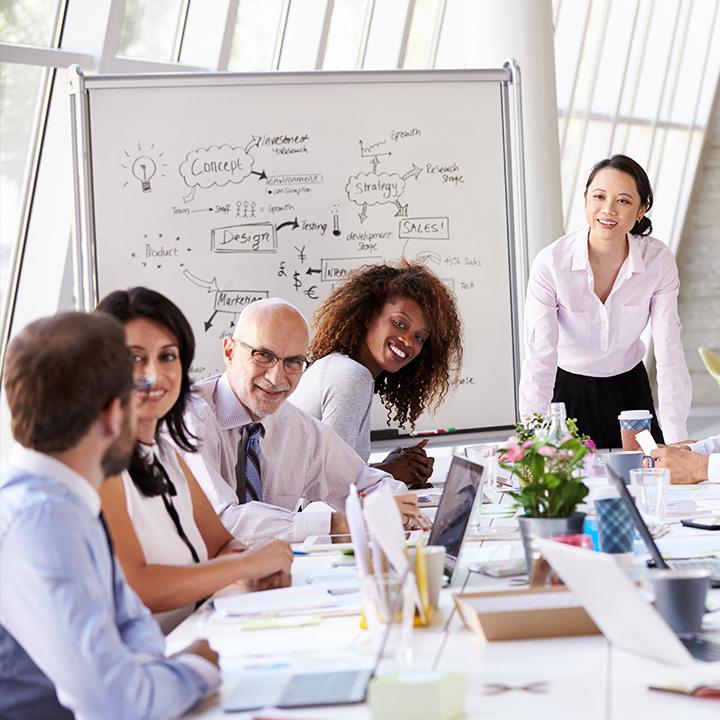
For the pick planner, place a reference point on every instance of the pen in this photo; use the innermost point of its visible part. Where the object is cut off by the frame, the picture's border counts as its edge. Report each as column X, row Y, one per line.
column 300, row 552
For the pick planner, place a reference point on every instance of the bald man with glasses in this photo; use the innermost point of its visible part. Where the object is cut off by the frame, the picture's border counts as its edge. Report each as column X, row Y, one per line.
column 259, row 455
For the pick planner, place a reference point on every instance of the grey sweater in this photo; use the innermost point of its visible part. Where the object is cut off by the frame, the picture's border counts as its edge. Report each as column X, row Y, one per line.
column 338, row 391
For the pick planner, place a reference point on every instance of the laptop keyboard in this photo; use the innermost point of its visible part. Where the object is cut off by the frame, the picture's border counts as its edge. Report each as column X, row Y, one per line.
column 710, row 564
column 700, row 648
column 320, row 688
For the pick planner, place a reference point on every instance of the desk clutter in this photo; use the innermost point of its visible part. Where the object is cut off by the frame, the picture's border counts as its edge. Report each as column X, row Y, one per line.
column 387, row 634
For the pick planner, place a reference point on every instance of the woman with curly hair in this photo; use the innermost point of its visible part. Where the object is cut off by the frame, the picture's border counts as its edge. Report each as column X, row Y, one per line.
column 393, row 330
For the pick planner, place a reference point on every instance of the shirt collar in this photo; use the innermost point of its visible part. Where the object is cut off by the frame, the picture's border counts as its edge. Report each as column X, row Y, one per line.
column 37, row 463
column 635, row 261
column 581, row 259
column 231, row 413
column 580, row 256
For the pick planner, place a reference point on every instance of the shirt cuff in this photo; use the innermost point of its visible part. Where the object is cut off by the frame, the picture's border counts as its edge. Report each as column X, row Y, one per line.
column 714, row 467
column 310, row 523
column 209, row 674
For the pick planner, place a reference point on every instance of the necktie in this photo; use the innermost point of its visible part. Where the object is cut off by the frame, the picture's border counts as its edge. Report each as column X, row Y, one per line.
column 253, row 486
column 112, row 552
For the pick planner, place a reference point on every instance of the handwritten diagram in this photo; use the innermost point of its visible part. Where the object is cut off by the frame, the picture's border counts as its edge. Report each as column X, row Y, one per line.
column 260, row 193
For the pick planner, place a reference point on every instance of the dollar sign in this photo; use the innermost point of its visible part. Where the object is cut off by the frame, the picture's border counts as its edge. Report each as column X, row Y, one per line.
column 296, row 280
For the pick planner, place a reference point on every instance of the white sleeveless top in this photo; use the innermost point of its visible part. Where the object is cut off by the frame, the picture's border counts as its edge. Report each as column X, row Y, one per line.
column 155, row 529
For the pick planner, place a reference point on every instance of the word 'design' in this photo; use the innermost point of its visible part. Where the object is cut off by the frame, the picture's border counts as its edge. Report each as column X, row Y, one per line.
column 252, row 237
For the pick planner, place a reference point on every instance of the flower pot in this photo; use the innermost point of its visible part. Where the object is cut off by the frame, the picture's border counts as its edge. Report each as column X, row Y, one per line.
column 532, row 528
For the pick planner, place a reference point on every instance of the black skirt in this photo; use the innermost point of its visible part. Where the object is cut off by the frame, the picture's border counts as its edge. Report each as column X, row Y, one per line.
column 597, row 402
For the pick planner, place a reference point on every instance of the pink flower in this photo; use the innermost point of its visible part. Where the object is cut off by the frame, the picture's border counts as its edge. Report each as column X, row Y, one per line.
column 547, row 451
column 526, row 444
column 565, row 439
column 591, row 444
column 513, row 454
column 511, row 442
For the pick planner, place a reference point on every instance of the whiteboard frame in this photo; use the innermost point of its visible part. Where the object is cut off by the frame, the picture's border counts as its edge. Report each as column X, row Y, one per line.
column 508, row 78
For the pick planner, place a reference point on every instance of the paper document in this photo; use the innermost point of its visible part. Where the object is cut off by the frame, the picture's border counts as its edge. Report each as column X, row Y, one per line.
column 282, row 600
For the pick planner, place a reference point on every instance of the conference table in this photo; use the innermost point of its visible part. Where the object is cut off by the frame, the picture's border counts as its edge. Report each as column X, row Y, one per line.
column 554, row 678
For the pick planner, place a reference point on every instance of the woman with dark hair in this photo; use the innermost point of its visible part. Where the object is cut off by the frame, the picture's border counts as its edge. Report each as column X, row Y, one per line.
column 172, row 546
column 590, row 296
column 390, row 330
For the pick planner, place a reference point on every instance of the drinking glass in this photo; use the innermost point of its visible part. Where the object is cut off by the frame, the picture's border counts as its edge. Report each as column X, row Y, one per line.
column 651, row 491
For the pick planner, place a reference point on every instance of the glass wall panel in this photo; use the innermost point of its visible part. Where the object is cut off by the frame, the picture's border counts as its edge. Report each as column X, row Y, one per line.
column 256, row 35
column 302, row 35
column 451, row 46
column 420, row 39
column 30, row 22
column 150, row 29
column 22, row 91
column 345, row 35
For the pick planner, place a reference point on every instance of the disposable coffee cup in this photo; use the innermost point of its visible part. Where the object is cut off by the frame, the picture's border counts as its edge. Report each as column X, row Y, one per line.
column 680, row 597
column 631, row 423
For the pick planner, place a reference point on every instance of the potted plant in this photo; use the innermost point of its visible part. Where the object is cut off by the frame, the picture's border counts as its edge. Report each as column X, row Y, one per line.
column 551, row 486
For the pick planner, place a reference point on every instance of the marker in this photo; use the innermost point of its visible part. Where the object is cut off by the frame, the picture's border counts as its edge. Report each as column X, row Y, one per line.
column 433, row 432
column 300, row 552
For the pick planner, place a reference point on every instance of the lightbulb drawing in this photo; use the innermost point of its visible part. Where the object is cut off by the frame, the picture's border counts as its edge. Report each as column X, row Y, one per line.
column 144, row 169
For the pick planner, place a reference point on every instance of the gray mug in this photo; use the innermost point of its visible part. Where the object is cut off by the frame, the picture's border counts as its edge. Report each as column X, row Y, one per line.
column 680, row 597
column 623, row 461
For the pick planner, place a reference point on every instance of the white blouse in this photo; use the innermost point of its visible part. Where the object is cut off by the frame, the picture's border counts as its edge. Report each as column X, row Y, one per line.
column 155, row 529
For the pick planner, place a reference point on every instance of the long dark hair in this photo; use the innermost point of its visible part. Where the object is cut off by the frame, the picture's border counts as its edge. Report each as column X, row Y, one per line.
column 642, row 183
column 141, row 302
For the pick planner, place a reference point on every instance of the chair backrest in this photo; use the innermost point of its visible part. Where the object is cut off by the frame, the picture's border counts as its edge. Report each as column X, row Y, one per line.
column 712, row 362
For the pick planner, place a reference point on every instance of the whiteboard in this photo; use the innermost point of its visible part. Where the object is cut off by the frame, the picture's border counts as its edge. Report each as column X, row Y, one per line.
column 220, row 189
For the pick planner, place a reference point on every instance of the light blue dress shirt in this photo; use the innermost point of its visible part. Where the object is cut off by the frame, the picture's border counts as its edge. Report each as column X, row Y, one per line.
column 69, row 623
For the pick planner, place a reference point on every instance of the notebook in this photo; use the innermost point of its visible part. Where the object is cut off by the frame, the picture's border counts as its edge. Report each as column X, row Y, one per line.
column 710, row 564
column 462, row 492
column 282, row 689
column 615, row 605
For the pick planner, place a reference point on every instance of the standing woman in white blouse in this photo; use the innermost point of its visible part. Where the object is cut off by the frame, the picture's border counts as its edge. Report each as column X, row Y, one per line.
column 590, row 296
column 173, row 548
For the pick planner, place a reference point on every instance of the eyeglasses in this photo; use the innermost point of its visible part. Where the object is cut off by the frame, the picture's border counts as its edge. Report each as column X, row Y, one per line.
column 142, row 386
column 292, row 365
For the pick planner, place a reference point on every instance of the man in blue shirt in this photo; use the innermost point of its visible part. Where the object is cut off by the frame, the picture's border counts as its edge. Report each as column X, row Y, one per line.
column 75, row 640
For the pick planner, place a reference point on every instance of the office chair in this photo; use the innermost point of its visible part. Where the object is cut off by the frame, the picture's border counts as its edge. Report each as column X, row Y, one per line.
column 712, row 362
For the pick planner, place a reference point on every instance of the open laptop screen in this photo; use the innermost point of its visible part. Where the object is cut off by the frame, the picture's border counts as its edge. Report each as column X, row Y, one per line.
column 463, row 488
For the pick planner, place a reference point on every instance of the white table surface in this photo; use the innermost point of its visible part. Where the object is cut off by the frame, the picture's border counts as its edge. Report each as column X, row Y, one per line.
column 558, row 678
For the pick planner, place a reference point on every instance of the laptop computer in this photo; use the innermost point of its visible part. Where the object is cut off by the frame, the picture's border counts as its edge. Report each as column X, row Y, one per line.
column 615, row 605
column 657, row 560
column 462, row 493
column 291, row 689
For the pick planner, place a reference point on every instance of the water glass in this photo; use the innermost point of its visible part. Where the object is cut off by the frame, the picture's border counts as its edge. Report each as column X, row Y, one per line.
column 485, row 454
column 651, row 491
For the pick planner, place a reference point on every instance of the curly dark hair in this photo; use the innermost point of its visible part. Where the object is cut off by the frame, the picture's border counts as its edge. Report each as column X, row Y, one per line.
column 341, row 324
